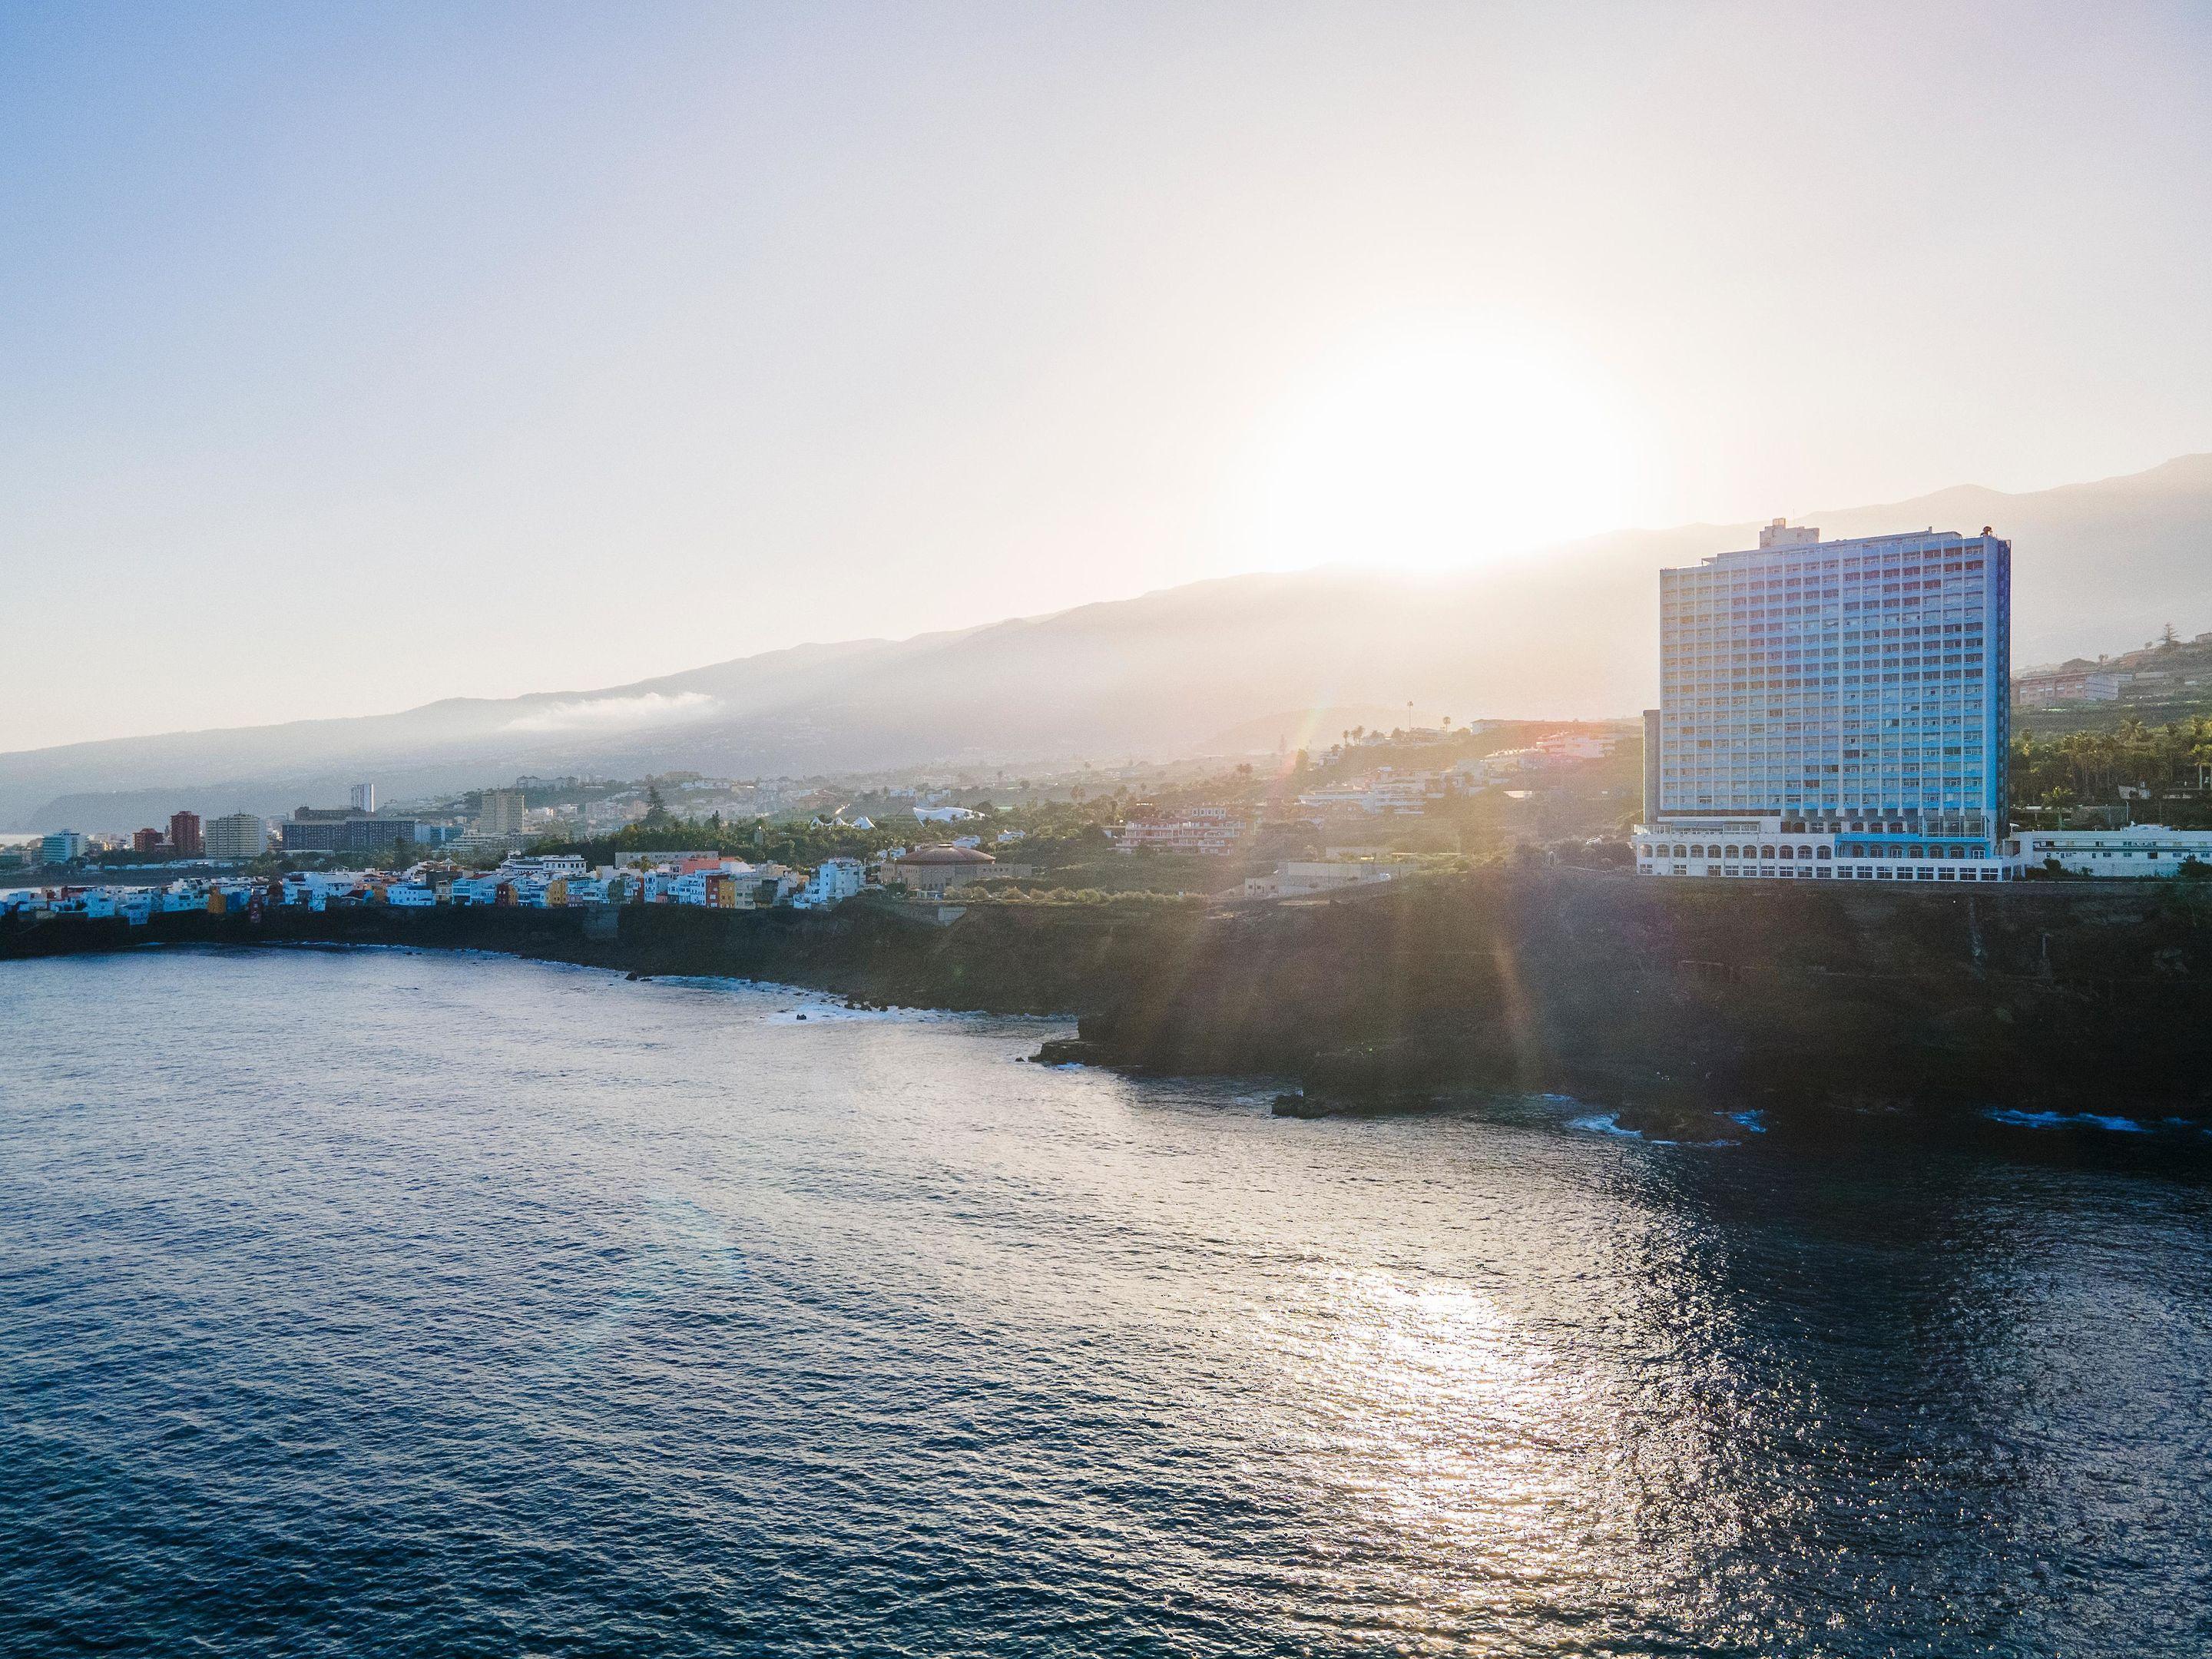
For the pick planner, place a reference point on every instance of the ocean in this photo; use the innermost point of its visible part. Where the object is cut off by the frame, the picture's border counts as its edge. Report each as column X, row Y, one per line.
column 374, row 1302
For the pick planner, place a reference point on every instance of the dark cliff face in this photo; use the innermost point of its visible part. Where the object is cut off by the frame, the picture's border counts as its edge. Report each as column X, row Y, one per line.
column 1613, row 988
column 1610, row 989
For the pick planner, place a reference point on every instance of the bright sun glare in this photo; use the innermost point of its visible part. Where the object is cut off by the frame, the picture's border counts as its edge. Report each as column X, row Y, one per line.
column 1438, row 452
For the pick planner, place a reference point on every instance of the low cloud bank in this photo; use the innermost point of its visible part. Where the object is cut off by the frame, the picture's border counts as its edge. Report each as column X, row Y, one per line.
column 615, row 714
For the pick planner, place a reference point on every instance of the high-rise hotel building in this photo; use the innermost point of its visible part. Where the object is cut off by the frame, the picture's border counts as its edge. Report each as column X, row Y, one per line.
column 1832, row 710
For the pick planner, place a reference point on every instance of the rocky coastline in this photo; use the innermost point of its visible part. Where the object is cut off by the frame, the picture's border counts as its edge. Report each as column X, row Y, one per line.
column 1674, row 1005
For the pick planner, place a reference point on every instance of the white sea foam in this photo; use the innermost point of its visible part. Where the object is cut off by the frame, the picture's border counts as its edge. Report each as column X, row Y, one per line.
column 1608, row 1123
column 2124, row 1126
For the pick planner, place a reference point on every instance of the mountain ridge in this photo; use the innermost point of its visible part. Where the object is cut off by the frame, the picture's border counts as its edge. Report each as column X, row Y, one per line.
column 1567, row 633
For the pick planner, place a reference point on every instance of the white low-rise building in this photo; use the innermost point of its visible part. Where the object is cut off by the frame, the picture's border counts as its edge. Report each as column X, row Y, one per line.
column 180, row 897
column 2138, row 850
column 1377, row 796
column 834, row 881
column 1881, row 850
column 1577, row 745
column 1302, row 877
column 544, row 866
column 1786, row 849
column 316, row 888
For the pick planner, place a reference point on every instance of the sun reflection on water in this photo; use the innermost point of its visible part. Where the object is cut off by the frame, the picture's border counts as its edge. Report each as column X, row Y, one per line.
column 1439, row 1417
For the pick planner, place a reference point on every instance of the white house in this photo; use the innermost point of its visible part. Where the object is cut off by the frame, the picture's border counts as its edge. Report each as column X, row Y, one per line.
column 834, row 881
column 544, row 866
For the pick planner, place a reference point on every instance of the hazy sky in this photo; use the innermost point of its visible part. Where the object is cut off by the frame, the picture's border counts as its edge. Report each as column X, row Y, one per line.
column 356, row 357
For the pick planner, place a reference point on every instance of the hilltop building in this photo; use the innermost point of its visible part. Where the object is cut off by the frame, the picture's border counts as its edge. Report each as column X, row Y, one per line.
column 362, row 797
column 2042, row 686
column 1834, row 708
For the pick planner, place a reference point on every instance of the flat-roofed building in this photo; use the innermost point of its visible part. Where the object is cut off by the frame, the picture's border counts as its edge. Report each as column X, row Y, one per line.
column 2049, row 685
column 237, row 836
column 501, row 812
column 342, row 829
column 1207, row 832
column 2138, row 850
column 1834, row 708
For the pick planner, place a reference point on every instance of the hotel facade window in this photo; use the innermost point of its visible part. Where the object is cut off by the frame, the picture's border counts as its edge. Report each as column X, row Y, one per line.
column 1847, row 701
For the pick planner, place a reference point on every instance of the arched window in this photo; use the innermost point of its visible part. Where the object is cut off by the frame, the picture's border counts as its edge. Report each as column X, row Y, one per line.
column 1766, row 851
column 1788, row 852
column 1821, row 854
column 1917, row 852
column 1729, row 853
column 1682, row 853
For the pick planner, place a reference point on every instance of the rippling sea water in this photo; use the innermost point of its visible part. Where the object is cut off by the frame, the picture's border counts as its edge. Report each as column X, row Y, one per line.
column 374, row 1302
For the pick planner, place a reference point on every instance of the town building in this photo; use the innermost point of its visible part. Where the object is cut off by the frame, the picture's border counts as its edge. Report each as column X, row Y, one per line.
column 1834, row 708
column 238, row 835
column 501, row 812
column 834, row 881
column 1208, row 831
column 63, row 846
column 342, row 829
column 1303, row 878
column 1558, row 746
column 1382, row 795
column 362, row 797
column 936, row 869
column 2044, row 686
column 695, row 858
column 543, row 866
column 185, row 839
column 147, row 840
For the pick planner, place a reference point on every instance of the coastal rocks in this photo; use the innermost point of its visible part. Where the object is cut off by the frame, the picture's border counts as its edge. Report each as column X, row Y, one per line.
column 1305, row 1105
column 1071, row 1051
